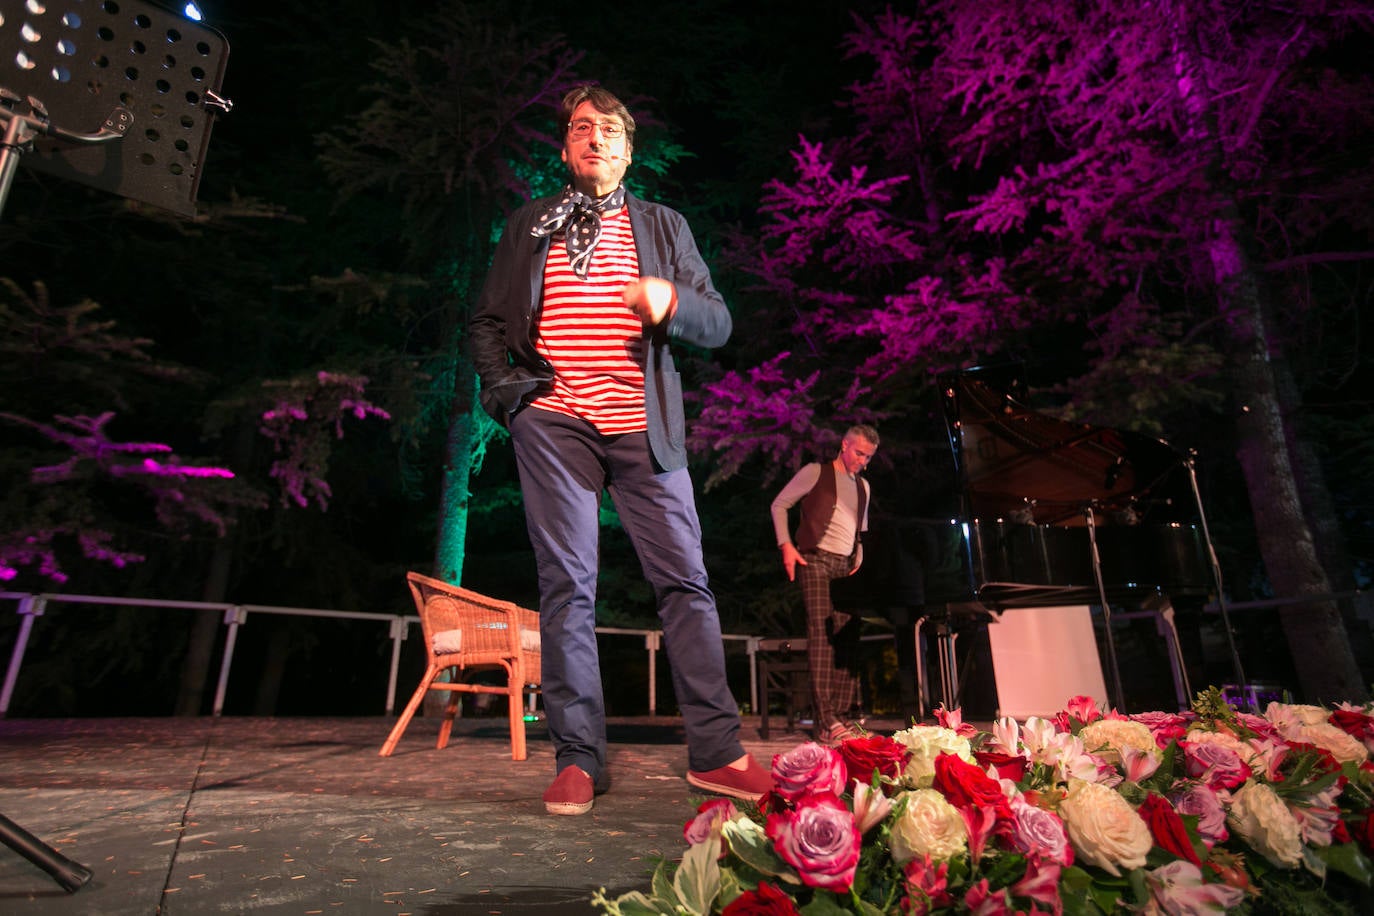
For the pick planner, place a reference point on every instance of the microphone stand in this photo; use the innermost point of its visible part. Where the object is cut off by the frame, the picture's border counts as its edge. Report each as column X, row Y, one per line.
column 26, row 119
column 1190, row 463
column 1118, row 699
column 71, row 875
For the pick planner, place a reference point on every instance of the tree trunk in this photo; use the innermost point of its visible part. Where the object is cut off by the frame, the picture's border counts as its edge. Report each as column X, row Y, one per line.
column 1316, row 637
column 195, row 670
column 273, row 669
column 459, row 448
column 1327, row 672
column 1320, row 511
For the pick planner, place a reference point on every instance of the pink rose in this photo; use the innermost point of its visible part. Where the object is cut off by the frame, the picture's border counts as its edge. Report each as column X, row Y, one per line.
column 1214, row 764
column 808, row 769
column 819, row 839
column 1202, row 802
column 710, row 815
column 1261, row 726
column 1037, row 832
column 1165, row 726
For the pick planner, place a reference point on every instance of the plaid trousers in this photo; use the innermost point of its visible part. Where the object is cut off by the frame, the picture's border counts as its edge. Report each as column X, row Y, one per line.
column 834, row 688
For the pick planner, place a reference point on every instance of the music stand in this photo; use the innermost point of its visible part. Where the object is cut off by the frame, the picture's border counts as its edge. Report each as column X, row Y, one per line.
column 119, row 95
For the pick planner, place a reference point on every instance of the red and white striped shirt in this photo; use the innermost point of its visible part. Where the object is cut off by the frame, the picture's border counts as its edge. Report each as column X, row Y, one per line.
column 590, row 337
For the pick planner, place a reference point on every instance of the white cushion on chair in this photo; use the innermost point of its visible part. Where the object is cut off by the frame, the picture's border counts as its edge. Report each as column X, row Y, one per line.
column 448, row 642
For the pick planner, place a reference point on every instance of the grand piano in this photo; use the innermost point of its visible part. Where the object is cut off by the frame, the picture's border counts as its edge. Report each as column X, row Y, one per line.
column 1052, row 513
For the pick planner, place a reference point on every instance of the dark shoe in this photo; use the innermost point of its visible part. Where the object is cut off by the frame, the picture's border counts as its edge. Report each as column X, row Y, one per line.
column 570, row 793
column 748, row 784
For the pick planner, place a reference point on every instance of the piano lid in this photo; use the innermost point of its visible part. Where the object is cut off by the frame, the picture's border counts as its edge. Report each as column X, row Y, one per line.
column 1023, row 466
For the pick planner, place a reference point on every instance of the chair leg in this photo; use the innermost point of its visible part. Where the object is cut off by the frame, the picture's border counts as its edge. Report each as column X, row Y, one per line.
column 515, row 700
column 450, row 712
column 409, row 712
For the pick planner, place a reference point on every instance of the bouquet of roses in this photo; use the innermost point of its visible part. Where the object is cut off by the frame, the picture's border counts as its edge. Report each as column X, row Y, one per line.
column 1207, row 811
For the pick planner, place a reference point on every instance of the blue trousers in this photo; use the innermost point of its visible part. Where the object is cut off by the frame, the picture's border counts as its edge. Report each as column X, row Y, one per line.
column 564, row 465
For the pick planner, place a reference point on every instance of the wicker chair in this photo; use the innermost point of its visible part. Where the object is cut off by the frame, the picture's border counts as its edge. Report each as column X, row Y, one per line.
column 470, row 632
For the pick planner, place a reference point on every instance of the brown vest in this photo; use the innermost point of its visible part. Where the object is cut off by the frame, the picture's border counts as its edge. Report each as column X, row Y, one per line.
column 819, row 505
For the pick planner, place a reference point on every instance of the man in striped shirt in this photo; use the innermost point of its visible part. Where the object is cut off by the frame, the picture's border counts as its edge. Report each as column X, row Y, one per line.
column 571, row 337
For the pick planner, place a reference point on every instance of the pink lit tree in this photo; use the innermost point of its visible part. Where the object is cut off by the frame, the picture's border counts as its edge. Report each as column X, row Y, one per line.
column 64, row 480
column 1134, row 197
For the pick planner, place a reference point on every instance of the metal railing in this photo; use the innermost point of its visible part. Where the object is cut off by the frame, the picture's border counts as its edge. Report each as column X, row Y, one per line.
column 30, row 607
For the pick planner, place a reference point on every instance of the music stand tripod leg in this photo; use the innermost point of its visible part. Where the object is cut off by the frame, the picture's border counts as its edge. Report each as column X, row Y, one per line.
column 71, row 875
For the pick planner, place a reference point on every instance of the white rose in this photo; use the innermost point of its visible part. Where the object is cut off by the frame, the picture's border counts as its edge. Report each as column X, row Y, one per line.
column 1261, row 818
column 928, row 826
column 926, row 742
column 1303, row 714
column 1103, row 827
column 1107, row 738
column 1344, row 747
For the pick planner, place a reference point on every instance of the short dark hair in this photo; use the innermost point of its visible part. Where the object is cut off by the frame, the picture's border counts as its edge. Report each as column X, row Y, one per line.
column 604, row 101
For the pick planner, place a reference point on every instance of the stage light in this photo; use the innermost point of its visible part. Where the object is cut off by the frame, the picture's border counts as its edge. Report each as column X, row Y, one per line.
column 192, row 12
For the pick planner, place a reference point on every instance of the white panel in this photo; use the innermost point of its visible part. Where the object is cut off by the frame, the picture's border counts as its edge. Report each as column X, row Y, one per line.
column 1043, row 656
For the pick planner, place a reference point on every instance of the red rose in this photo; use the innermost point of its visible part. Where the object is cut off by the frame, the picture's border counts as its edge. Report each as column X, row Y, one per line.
column 863, row 756
column 965, row 785
column 1009, row 766
column 766, row 901
column 1167, row 828
column 1363, row 831
column 1356, row 724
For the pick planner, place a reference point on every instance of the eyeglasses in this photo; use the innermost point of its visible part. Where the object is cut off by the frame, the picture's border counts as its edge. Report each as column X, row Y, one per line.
column 610, row 130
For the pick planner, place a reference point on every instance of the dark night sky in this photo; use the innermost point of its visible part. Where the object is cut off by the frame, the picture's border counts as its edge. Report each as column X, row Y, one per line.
column 283, row 78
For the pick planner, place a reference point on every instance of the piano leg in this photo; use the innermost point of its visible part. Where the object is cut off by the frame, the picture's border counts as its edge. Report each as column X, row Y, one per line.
column 945, row 639
column 1168, row 629
column 922, row 684
column 1162, row 610
column 946, row 662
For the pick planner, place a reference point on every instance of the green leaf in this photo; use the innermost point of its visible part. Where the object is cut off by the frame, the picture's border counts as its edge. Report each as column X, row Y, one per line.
column 632, row 904
column 662, row 884
column 826, row 904
column 1348, row 860
column 697, row 881
column 751, row 845
column 1073, row 891
column 1083, row 896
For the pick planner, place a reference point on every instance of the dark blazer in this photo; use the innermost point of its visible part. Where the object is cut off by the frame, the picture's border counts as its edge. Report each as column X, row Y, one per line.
column 502, row 329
